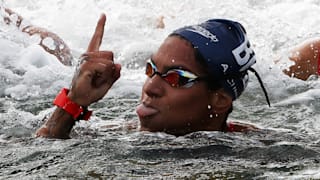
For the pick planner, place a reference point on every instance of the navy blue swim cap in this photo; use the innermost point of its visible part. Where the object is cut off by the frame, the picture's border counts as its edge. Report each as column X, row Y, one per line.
column 226, row 50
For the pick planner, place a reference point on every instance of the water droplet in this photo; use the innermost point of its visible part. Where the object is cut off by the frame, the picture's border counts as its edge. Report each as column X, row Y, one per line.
column 311, row 45
column 61, row 46
column 209, row 106
column 172, row 60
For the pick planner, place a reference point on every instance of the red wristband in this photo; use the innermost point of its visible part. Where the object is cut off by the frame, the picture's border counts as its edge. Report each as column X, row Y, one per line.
column 75, row 110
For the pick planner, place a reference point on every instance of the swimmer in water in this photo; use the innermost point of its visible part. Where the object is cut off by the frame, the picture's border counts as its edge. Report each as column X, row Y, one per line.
column 192, row 81
column 57, row 46
column 306, row 58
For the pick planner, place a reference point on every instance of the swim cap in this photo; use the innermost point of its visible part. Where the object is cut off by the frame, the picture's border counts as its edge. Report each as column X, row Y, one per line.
column 226, row 50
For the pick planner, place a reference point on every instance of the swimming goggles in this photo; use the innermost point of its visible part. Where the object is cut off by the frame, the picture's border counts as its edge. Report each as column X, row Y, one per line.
column 174, row 77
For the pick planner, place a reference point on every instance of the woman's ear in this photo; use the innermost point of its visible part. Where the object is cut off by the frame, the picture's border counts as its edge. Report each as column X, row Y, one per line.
column 221, row 101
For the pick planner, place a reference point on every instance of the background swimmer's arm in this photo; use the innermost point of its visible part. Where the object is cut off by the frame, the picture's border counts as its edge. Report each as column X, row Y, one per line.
column 95, row 77
column 49, row 41
column 305, row 57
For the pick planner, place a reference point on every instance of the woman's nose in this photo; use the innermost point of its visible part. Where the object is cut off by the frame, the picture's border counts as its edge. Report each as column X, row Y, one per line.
column 154, row 86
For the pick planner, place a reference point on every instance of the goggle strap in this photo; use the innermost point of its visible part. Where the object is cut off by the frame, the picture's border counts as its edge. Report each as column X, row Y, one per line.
column 261, row 84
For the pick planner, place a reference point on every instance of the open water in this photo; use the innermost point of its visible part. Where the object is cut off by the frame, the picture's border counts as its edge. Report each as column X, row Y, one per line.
column 104, row 147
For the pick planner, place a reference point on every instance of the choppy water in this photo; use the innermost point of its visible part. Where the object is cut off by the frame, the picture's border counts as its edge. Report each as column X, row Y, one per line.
column 103, row 148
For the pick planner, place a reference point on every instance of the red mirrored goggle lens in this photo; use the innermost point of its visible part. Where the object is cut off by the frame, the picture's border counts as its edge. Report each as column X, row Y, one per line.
column 174, row 77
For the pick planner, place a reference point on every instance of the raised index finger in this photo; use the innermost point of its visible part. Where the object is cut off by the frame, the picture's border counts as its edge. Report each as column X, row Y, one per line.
column 96, row 39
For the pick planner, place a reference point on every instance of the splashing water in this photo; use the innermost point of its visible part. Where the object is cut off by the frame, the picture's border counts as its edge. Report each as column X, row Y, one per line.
column 103, row 147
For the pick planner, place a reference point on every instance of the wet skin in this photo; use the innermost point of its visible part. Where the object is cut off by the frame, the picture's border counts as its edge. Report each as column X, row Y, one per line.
column 305, row 57
column 170, row 109
column 163, row 108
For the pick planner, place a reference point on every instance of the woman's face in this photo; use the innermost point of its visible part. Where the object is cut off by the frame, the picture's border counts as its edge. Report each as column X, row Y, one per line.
column 171, row 109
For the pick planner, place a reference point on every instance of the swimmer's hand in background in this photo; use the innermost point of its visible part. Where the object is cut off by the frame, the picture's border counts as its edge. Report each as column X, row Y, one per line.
column 97, row 71
column 305, row 57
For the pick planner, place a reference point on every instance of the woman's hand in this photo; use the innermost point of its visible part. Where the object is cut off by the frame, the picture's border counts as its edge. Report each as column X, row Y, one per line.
column 95, row 76
column 97, row 71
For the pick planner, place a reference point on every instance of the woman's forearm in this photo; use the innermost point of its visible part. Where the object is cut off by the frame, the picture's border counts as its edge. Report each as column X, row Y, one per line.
column 58, row 125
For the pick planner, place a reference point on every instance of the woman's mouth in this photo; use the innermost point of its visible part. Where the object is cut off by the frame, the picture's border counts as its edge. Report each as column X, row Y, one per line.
column 145, row 111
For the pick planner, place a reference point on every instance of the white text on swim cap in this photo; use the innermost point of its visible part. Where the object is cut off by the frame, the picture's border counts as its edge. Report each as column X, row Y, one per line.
column 248, row 59
column 203, row 32
column 233, row 86
column 225, row 67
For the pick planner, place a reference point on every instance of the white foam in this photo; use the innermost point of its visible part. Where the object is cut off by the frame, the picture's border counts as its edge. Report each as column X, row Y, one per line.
column 273, row 27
